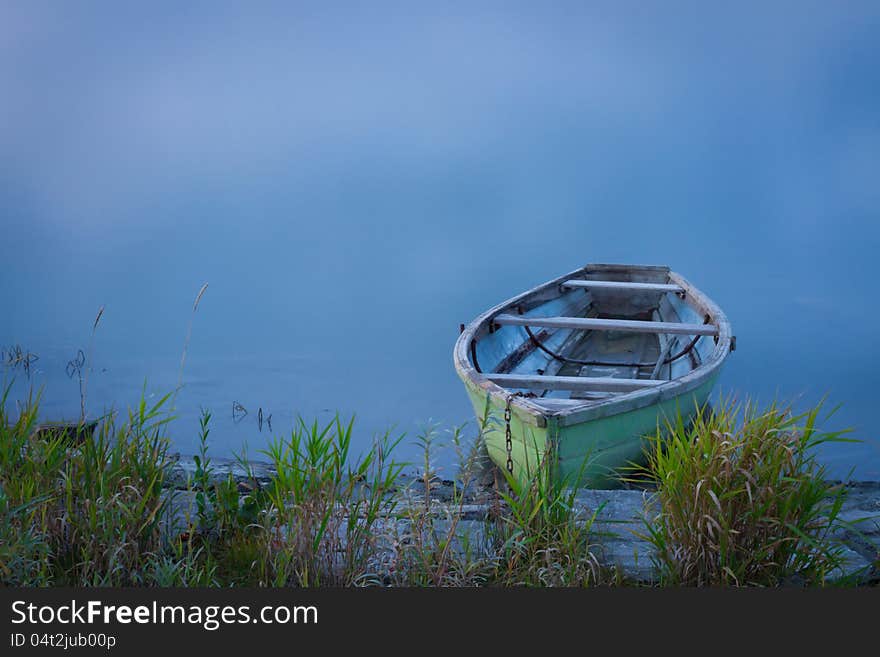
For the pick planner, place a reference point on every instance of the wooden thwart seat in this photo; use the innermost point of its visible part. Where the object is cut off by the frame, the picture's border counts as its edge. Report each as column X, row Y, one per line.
column 623, row 285
column 584, row 323
column 598, row 384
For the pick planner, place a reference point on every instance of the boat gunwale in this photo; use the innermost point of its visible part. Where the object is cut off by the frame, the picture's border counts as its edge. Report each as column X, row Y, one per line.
column 533, row 413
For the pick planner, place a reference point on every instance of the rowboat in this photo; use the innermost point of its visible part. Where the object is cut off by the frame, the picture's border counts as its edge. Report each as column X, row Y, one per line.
column 70, row 432
column 582, row 368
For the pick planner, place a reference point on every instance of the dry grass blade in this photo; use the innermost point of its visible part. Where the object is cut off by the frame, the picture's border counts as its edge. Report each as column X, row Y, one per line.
column 186, row 344
column 97, row 318
column 199, row 296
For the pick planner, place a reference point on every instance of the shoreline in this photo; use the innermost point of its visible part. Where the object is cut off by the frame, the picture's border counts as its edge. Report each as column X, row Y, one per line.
column 620, row 517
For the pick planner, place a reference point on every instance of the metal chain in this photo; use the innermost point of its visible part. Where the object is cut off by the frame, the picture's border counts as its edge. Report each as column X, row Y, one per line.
column 508, row 440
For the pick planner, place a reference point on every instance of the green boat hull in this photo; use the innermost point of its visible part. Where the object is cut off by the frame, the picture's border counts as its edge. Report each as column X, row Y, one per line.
column 595, row 453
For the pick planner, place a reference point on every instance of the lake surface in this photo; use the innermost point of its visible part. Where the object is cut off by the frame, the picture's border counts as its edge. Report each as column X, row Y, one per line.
column 352, row 186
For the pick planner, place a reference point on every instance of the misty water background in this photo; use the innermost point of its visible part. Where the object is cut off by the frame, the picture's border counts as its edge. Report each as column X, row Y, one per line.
column 354, row 182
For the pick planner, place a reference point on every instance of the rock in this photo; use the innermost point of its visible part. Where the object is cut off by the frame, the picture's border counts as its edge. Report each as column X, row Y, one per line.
column 861, row 522
column 182, row 472
column 182, row 511
column 176, row 478
column 632, row 559
column 616, row 510
column 854, row 568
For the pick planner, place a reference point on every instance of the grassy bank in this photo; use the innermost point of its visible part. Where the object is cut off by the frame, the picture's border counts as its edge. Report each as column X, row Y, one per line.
column 742, row 501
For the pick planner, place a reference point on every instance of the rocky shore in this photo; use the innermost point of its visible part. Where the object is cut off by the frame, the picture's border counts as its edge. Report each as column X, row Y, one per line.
column 620, row 519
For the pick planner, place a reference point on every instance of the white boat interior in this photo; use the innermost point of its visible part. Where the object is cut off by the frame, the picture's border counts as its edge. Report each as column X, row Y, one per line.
column 600, row 332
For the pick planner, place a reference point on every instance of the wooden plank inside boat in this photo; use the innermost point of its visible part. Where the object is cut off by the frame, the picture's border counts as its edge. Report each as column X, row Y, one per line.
column 601, row 354
column 625, row 286
column 539, row 382
column 637, row 326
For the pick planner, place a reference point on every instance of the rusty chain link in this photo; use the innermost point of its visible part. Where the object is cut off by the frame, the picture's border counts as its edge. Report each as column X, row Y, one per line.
column 508, row 439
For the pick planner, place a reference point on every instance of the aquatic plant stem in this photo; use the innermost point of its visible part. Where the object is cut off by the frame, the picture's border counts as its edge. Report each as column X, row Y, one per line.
column 186, row 345
column 84, row 382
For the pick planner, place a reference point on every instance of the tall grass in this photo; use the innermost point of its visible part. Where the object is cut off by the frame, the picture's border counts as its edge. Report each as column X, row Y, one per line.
column 536, row 533
column 111, row 501
column 742, row 498
column 27, row 489
column 89, row 513
column 314, row 522
column 23, row 549
column 546, row 536
column 433, row 544
column 742, row 501
column 321, row 508
column 96, row 514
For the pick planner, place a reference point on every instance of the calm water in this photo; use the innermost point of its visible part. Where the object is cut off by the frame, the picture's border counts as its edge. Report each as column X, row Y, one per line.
column 354, row 185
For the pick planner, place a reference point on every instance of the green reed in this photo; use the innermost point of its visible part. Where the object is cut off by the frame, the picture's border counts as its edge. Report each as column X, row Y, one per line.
column 322, row 504
column 742, row 498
